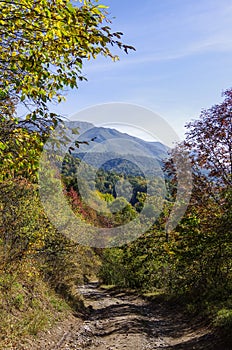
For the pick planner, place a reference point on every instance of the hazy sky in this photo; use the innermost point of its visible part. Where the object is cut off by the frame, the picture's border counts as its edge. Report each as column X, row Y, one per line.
column 182, row 64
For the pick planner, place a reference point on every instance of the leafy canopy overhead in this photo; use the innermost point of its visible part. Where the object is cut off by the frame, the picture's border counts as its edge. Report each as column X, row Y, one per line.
column 42, row 47
column 43, row 44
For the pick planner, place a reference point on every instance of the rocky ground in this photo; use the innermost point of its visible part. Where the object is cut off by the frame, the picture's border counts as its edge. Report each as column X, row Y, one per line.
column 123, row 321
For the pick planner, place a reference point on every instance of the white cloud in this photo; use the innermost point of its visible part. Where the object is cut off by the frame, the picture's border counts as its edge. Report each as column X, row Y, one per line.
column 188, row 30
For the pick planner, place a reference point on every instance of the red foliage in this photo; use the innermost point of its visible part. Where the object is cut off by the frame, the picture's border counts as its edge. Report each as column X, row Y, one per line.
column 88, row 213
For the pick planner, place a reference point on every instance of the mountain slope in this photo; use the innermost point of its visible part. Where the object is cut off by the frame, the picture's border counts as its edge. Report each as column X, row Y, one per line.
column 114, row 150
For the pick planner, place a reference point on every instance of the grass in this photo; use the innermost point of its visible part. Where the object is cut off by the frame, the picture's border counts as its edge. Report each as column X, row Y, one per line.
column 28, row 306
column 107, row 287
column 224, row 318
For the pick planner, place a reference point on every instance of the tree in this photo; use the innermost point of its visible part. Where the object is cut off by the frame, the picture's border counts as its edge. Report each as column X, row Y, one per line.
column 201, row 243
column 19, row 151
column 43, row 44
column 197, row 257
column 23, row 225
column 209, row 139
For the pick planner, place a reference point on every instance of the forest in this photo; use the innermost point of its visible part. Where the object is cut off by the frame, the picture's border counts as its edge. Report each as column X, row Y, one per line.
column 191, row 263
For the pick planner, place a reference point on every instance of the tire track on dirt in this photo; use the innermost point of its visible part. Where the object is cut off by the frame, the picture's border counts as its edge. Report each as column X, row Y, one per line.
column 124, row 321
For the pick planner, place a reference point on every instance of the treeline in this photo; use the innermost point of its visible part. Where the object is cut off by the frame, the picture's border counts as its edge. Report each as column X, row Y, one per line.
column 43, row 45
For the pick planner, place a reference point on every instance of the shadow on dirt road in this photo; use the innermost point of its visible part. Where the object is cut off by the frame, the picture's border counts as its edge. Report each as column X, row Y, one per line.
column 124, row 321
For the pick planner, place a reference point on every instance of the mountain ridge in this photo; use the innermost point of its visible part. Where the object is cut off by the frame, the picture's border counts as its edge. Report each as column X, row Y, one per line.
column 112, row 149
column 88, row 131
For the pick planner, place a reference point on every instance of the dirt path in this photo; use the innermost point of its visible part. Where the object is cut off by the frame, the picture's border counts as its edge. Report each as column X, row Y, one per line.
column 122, row 321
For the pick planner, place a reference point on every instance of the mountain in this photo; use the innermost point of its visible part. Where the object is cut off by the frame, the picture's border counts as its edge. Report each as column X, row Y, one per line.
column 113, row 150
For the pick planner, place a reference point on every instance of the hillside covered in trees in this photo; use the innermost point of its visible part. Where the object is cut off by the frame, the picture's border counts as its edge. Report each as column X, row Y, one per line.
column 41, row 54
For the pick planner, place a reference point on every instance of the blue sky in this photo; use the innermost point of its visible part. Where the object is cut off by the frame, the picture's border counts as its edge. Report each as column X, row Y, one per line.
column 182, row 63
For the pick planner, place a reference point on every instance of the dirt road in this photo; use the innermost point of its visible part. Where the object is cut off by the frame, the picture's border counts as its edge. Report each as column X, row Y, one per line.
column 122, row 321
